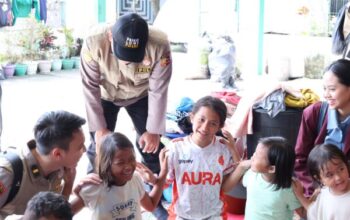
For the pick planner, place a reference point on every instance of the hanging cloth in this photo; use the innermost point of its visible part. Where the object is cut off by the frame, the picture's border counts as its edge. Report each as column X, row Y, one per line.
column 306, row 98
column 6, row 16
column 43, row 10
column 22, row 8
column 36, row 6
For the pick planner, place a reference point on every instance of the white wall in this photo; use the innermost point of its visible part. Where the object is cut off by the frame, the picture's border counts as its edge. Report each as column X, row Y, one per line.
column 81, row 15
column 218, row 16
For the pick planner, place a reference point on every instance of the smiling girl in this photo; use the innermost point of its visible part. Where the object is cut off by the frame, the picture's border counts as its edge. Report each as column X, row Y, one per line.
column 328, row 166
column 200, row 163
column 121, row 193
column 335, row 127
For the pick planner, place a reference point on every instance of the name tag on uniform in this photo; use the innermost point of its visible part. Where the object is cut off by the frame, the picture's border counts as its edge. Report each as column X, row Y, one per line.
column 143, row 69
column 142, row 74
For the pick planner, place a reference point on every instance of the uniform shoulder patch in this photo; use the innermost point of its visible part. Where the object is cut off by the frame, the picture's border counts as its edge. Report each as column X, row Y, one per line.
column 165, row 59
column 87, row 55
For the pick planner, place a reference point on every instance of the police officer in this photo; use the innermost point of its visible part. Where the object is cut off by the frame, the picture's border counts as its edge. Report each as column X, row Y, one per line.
column 127, row 65
column 47, row 160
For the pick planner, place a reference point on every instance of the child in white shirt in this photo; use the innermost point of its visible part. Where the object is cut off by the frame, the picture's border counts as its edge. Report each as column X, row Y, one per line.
column 327, row 166
column 121, row 193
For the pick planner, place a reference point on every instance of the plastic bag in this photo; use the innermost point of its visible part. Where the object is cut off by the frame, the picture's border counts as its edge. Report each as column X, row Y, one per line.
column 222, row 61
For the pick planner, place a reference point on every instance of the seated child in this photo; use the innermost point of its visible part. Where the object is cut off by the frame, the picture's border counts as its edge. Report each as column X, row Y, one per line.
column 121, row 193
column 268, row 181
column 48, row 206
column 200, row 162
column 328, row 167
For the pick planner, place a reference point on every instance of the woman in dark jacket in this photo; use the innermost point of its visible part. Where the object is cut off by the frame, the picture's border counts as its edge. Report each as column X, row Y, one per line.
column 335, row 126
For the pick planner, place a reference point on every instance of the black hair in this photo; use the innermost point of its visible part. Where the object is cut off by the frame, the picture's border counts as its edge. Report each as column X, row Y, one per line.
column 110, row 144
column 213, row 103
column 281, row 155
column 318, row 158
column 48, row 204
column 340, row 68
column 55, row 129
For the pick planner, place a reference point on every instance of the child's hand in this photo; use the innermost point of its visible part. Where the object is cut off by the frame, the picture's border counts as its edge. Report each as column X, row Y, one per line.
column 146, row 174
column 163, row 160
column 91, row 178
column 315, row 194
column 245, row 165
column 297, row 187
column 229, row 141
column 177, row 139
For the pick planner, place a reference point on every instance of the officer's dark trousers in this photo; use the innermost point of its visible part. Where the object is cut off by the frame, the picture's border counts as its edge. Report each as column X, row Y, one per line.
column 138, row 113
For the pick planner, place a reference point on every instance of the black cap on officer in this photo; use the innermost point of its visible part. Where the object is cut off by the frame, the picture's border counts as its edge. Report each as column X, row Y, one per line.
column 130, row 36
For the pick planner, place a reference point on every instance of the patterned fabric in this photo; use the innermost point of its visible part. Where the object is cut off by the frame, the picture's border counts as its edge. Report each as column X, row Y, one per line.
column 6, row 16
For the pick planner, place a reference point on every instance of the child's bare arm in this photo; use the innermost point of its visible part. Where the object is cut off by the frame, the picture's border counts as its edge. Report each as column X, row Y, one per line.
column 77, row 204
column 150, row 200
column 299, row 193
column 235, row 177
column 68, row 177
column 229, row 141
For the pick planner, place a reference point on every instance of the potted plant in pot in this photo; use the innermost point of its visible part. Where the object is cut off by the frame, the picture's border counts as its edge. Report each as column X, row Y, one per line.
column 76, row 54
column 10, row 60
column 29, row 42
column 10, row 65
column 46, row 48
column 21, row 67
column 56, row 60
column 68, row 49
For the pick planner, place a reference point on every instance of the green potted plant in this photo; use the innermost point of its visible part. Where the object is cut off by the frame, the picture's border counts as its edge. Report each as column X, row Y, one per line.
column 77, row 49
column 56, row 60
column 67, row 62
column 21, row 67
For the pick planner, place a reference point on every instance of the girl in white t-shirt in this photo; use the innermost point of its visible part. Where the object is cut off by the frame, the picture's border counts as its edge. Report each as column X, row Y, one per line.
column 200, row 163
column 328, row 167
column 121, row 193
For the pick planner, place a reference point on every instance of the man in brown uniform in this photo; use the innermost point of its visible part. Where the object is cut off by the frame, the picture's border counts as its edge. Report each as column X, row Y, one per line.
column 47, row 160
column 127, row 65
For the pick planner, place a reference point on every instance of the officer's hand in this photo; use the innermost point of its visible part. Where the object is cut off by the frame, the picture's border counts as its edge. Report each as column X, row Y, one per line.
column 91, row 178
column 99, row 134
column 149, row 143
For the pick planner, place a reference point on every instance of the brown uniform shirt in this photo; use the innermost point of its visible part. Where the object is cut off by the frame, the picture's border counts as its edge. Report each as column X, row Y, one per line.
column 32, row 183
column 105, row 77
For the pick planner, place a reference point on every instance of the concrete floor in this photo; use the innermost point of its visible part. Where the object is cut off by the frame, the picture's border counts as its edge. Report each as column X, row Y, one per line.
column 26, row 98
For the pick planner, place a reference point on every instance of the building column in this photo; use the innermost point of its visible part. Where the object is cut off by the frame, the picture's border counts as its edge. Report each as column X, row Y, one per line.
column 101, row 17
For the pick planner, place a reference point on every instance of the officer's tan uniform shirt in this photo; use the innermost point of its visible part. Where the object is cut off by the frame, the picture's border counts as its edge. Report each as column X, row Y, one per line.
column 32, row 183
column 104, row 76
